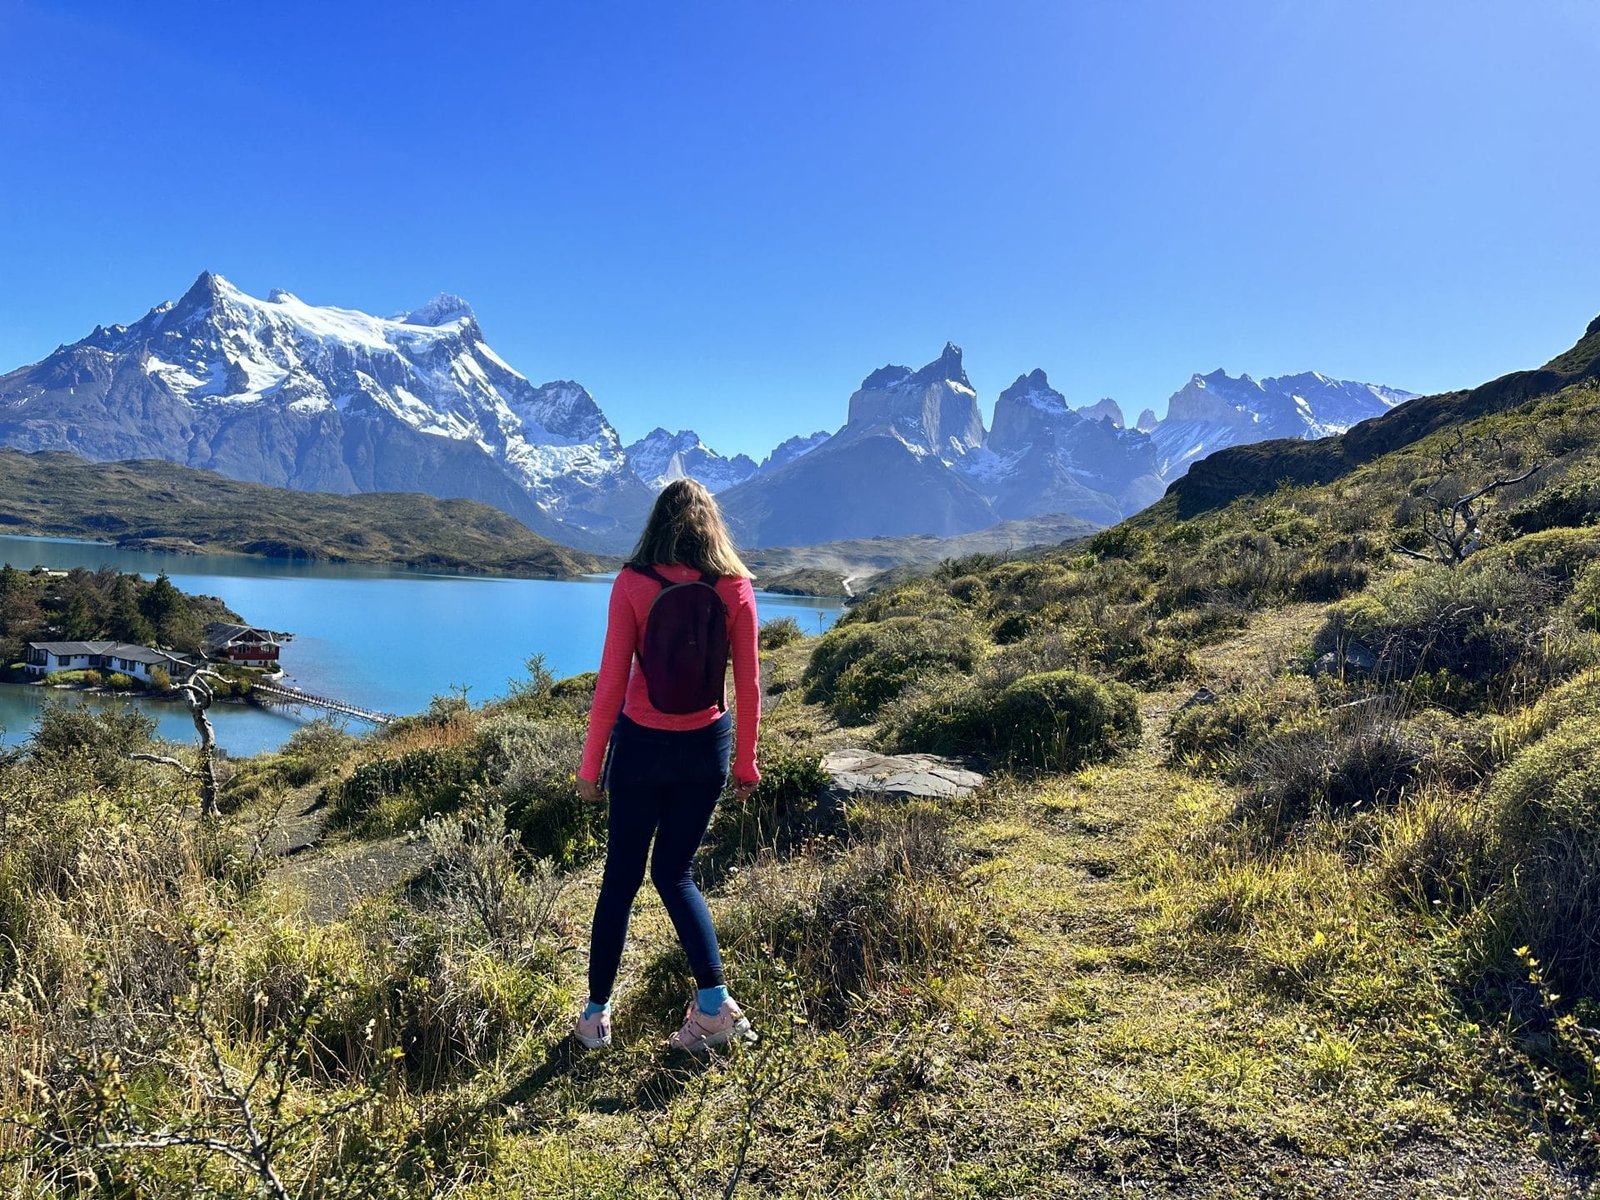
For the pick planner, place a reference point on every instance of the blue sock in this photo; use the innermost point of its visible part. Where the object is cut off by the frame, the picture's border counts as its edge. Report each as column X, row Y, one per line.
column 709, row 1000
column 592, row 1009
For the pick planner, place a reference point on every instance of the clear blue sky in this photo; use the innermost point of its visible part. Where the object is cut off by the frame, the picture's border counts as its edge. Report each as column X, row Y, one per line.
column 724, row 215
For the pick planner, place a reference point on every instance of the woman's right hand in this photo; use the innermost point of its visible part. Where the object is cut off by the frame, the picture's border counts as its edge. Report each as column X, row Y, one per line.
column 590, row 791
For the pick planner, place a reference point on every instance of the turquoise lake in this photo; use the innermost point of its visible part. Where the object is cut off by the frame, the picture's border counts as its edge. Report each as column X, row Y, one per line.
column 381, row 639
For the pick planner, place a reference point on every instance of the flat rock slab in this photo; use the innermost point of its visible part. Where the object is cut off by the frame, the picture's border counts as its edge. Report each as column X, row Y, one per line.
column 897, row 776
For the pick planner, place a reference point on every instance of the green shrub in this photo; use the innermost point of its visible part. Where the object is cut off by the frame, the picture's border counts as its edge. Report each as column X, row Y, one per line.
column 1578, row 696
column 791, row 781
column 1056, row 720
column 1219, row 734
column 429, row 779
column 889, row 910
column 1545, row 813
column 1359, row 756
column 118, row 682
column 1574, row 501
column 1120, row 541
column 1327, row 579
column 856, row 669
column 576, row 687
column 1583, row 605
column 101, row 739
column 1480, row 623
column 776, row 634
column 531, row 766
column 971, row 590
column 73, row 678
column 315, row 751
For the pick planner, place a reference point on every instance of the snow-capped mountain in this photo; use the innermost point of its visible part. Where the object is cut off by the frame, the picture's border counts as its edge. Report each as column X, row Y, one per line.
column 792, row 448
column 1044, row 457
column 660, row 457
column 297, row 395
column 283, row 392
column 1216, row 410
column 914, row 457
column 1103, row 410
column 887, row 472
column 934, row 410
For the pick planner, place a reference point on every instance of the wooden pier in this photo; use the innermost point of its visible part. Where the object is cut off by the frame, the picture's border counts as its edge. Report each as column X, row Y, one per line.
column 279, row 693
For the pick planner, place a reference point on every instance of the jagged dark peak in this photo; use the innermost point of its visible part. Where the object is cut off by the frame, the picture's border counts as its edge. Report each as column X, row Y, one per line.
column 203, row 294
column 441, row 310
column 1035, row 385
column 1147, row 421
column 885, row 376
column 946, row 368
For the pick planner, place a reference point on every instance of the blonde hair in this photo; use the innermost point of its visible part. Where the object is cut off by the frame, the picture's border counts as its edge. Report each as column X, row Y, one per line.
column 686, row 527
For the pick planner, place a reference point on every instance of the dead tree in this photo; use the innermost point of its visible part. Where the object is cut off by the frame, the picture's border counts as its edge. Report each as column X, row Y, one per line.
column 1452, row 525
column 198, row 695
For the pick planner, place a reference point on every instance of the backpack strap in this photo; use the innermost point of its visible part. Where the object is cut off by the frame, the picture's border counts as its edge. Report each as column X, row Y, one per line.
column 651, row 573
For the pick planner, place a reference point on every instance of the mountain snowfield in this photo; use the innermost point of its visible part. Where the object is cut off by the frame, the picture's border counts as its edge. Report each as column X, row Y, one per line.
column 1213, row 411
column 320, row 398
column 660, row 457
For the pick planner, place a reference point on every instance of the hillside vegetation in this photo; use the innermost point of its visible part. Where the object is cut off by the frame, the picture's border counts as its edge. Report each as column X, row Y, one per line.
column 1284, row 885
column 84, row 605
column 850, row 567
column 152, row 505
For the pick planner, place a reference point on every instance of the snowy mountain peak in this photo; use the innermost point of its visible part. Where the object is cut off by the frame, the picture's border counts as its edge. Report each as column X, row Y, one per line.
column 934, row 410
column 660, row 457
column 792, row 448
column 1106, row 409
column 441, row 310
column 1217, row 410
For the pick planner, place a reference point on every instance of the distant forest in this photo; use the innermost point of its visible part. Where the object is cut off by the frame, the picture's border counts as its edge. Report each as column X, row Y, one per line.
column 84, row 605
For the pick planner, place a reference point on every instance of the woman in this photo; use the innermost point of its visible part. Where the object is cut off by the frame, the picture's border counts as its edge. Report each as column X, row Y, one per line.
column 667, row 768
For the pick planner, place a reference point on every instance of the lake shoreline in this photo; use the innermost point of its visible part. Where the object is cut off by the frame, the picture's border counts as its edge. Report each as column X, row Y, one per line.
column 384, row 639
column 188, row 547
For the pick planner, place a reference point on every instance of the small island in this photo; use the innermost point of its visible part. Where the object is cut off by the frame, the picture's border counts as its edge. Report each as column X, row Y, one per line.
column 110, row 631
column 160, row 506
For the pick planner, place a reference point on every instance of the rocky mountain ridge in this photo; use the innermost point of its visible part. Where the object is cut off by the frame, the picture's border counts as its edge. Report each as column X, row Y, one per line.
column 317, row 398
column 914, row 456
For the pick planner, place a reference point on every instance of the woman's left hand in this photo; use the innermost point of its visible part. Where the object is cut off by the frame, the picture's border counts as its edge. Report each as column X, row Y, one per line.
column 742, row 791
column 590, row 791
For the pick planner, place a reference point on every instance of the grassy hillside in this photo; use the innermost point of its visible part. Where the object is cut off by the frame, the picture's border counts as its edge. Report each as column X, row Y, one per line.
column 843, row 568
column 1284, row 885
column 1258, row 468
column 159, row 505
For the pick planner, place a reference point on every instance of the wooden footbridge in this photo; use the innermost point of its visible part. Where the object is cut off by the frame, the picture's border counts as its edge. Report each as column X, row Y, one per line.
column 279, row 693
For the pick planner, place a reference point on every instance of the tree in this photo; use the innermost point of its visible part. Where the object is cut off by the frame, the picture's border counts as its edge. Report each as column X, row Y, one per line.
column 198, row 694
column 20, row 613
column 1451, row 519
column 162, row 602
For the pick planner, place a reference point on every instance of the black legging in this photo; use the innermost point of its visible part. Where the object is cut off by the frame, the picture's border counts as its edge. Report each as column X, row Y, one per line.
column 662, row 785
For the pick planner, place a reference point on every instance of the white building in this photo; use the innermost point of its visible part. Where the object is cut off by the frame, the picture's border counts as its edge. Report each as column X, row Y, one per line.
column 134, row 661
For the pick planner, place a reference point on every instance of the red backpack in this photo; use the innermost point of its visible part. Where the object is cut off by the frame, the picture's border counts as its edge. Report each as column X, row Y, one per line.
column 685, row 656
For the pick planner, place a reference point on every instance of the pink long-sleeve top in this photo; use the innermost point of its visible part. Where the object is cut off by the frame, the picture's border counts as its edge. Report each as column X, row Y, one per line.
column 621, row 687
